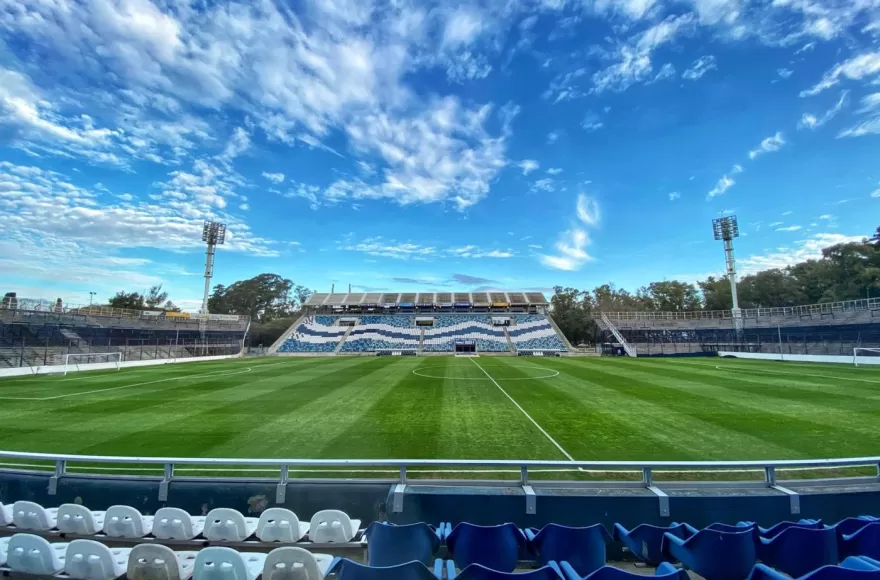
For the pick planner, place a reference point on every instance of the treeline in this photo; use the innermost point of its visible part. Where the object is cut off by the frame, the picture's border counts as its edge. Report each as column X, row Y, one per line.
column 153, row 299
column 844, row 272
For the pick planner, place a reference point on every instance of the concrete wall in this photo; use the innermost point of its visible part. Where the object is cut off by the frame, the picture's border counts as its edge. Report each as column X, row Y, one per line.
column 818, row 358
column 50, row 369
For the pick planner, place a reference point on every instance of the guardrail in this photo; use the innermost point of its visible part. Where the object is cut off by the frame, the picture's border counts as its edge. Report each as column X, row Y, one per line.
column 823, row 308
column 172, row 469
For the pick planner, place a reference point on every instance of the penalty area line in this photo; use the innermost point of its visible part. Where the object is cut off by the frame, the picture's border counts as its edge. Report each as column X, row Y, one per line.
column 529, row 417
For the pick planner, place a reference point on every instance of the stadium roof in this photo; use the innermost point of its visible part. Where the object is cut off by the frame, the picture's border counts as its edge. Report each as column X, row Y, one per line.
column 478, row 298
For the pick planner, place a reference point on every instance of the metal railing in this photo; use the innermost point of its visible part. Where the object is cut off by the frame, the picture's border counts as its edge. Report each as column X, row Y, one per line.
column 41, row 305
column 784, row 311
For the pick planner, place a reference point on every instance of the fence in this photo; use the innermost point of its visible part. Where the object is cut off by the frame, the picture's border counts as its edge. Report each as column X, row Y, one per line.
column 825, row 308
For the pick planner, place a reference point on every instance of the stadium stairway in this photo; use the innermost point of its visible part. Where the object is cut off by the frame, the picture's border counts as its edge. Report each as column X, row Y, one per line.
column 560, row 334
column 285, row 335
column 604, row 321
column 421, row 340
column 509, row 342
column 342, row 341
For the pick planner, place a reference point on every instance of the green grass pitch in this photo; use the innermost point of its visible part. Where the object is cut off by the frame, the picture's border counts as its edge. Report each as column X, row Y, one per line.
column 451, row 408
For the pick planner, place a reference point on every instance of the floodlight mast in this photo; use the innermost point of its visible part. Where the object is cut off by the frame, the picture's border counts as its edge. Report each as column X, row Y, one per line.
column 725, row 229
column 213, row 234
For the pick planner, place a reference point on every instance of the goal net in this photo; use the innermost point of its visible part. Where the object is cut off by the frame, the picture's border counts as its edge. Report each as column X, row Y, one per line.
column 863, row 355
column 72, row 362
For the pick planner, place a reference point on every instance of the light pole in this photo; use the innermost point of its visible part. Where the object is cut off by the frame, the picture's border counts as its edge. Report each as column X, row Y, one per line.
column 91, row 296
column 726, row 229
column 213, row 234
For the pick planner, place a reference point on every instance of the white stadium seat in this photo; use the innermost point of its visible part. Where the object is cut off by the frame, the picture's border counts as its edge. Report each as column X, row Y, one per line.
column 32, row 554
column 77, row 519
column 5, row 515
column 220, row 563
column 292, row 563
column 4, row 548
column 228, row 524
column 332, row 526
column 28, row 515
column 176, row 524
column 122, row 521
column 158, row 562
column 280, row 525
column 91, row 560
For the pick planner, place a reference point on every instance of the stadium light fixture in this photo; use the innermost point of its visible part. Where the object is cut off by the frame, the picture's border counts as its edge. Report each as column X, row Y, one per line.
column 213, row 234
column 726, row 229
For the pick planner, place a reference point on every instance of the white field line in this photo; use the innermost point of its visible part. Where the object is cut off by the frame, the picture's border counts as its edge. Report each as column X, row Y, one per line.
column 183, row 377
column 529, row 417
column 762, row 371
column 158, row 470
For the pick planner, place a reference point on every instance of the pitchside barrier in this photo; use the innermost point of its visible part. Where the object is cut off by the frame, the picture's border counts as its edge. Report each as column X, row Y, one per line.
column 71, row 368
column 814, row 358
column 688, row 476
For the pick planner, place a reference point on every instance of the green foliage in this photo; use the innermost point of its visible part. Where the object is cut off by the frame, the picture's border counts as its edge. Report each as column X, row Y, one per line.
column 153, row 299
column 264, row 298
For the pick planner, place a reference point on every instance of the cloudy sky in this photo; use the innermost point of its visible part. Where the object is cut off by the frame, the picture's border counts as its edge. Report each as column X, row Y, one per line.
column 415, row 146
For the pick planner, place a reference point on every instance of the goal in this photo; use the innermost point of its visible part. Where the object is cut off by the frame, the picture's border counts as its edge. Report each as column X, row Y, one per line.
column 72, row 361
column 866, row 356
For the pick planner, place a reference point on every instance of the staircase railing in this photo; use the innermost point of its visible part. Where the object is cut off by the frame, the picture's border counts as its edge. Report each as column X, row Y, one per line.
column 627, row 347
column 342, row 340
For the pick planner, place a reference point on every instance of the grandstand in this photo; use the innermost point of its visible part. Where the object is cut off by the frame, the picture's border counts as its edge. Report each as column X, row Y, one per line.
column 833, row 328
column 423, row 323
column 30, row 337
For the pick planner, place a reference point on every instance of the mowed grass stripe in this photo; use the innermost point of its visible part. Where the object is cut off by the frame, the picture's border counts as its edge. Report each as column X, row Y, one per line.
column 758, row 417
column 126, row 430
column 598, row 422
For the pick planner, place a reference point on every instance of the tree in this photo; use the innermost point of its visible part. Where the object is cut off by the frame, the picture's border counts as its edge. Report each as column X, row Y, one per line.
column 672, row 296
column 769, row 289
column 264, row 298
column 130, row 301
column 155, row 297
column 571, row 310
column 716, row 293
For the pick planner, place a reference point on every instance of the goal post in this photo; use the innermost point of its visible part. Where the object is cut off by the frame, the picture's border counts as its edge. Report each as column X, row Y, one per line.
column 865, row 355
column 72, row 361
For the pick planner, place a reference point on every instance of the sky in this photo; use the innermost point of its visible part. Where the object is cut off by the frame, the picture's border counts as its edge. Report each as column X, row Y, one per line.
column 418, row 146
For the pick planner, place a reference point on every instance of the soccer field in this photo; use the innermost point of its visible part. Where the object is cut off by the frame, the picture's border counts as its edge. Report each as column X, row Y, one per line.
column 454, row 408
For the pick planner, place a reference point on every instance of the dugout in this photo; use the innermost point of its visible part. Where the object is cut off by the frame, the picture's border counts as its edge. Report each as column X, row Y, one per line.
column 465, row 346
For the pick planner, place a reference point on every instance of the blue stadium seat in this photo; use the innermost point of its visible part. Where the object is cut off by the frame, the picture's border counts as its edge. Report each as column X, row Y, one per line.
column 849, row 526
column 582, row 548
column 775, row 529
column 797, row 551
column 863, row 542
column 664, row 570
column 495, row 547
column 391, row 545
column 713, row 554
column 478, row 572
column 644, row 541
column 850, row 569
column 346, row 569
column 719, row 527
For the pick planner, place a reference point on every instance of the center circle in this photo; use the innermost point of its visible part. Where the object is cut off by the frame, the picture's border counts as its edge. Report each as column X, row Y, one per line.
column 551, row 373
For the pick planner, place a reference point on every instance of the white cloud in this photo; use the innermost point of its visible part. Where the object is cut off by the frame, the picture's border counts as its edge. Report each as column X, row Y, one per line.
column 856, row 68
column 239, row 142
column 784, row 72
column 591, row 122
column 870, row 108
column 528, row 165
column 276, row 178
column 674, row 195
column 536, row 246
column 667, row 71
column 571, row 251
column 789, row 212
column 552, row 137
column 725, row 183
column 826, row 216
column 768, row 145
column 776, row 224
column 633, row 59
column 875, row 193
column 588, row 210
column 789, row 229
column 554, row 171
column 805, row 249
column 546, row 184
column 391, row 248
column 810, row 121
column 699, row 68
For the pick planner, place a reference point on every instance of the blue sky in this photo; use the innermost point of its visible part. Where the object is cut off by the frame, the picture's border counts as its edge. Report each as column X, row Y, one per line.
column 407, row 145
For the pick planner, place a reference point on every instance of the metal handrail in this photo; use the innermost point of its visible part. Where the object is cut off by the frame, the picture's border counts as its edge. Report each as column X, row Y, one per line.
column 825, row 307
column 680, row 465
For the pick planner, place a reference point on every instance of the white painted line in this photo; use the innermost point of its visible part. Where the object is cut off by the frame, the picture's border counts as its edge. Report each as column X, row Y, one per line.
column 529, row 417
column 763, row 371
column 183, row 377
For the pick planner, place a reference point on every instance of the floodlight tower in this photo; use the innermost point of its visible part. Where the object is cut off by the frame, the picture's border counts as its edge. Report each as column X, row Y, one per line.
column 213, row 234
column 726, row 229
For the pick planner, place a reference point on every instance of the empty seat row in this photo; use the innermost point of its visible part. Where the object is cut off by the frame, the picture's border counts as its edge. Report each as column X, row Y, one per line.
column 91, row 560
column 221, row 524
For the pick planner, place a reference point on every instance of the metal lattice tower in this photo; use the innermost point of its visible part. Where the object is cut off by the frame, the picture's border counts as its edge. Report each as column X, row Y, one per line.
column 725, row 229
column 213, row 234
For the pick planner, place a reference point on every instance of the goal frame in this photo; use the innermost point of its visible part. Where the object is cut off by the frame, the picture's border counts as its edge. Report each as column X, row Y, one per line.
column 118, row 355
column 860, row 348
